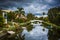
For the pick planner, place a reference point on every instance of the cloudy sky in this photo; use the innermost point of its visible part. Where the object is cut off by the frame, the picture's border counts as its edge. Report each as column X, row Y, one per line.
column 33, row 6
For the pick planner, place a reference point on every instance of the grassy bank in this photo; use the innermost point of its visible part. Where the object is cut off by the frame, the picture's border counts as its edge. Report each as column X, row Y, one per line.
column 53, row 25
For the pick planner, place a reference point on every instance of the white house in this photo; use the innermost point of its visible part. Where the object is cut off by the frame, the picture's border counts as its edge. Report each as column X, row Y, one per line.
column 5, row 15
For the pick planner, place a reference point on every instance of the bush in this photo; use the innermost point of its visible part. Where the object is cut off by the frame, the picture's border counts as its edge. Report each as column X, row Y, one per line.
column 20, row 20
column 1, row 21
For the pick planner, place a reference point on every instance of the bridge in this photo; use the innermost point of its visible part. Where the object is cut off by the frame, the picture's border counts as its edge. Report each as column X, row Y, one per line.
column 34, row 22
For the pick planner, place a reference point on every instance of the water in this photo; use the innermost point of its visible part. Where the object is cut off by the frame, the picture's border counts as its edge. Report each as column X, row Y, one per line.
column 37, row 33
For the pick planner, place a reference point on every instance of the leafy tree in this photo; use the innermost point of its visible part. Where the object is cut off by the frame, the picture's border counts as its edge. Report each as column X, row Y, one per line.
column 54, row 15
column 30, row 16
column 1, row 21
column 11, row 16
column 43, row 13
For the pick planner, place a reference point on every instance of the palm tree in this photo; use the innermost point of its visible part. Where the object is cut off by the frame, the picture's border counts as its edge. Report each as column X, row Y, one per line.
column 20, row 11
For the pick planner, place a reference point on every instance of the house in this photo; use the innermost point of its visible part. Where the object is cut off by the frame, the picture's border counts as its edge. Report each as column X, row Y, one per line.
column 4, row 14
column 20, row 16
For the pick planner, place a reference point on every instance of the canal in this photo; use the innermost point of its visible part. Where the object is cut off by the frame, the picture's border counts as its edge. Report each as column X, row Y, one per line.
column 37, row 33
column 41, row 31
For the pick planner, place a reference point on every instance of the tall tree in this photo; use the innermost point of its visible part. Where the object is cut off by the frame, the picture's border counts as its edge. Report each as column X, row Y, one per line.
column 11, row 16
column 54, row 15
column 30, row 16
column 21, row 11
column 1, row 21
column 0, row 12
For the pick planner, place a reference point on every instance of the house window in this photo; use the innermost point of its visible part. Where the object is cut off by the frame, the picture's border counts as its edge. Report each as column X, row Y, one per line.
column 5, row 15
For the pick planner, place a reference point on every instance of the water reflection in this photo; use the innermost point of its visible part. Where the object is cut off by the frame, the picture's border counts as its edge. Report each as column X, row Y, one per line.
column 37, row 33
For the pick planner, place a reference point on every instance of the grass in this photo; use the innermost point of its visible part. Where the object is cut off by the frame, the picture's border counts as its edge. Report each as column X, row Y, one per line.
column 48, row 23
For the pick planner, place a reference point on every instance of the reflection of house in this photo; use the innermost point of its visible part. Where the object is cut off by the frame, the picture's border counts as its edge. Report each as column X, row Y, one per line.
column 5, row 15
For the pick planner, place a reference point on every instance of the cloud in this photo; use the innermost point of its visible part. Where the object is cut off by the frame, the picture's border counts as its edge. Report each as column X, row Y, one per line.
column 13, row 9
column 34, row 6
column 49, row 1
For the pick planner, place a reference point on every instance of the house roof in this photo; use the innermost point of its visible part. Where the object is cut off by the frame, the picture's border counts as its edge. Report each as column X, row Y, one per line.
column 6, row 10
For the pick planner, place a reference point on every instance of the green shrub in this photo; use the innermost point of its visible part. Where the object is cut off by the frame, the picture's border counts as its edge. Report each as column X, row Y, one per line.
column 1, row 21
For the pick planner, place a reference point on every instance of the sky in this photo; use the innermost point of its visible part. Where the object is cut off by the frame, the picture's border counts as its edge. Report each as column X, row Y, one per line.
column 34, row 6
